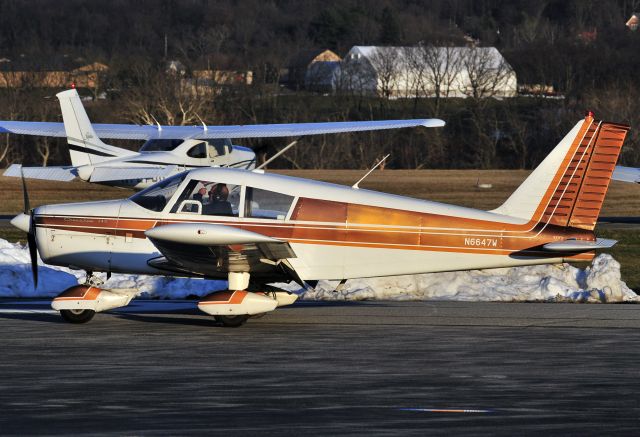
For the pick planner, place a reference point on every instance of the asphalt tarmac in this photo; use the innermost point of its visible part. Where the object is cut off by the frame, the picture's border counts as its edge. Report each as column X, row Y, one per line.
column 375, row 368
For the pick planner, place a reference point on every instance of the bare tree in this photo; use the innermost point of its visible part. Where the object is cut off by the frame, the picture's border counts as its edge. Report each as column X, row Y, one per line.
column 486, row 72
column 435, row 69
column 167, row 99
column 385, row 62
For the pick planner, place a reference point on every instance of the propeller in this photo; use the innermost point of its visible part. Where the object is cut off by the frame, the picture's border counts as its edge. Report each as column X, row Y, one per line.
column 31, row 233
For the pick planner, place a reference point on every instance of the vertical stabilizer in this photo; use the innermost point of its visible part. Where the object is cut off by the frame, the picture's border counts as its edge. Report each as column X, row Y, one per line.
column 85, row 147
column 569, row 186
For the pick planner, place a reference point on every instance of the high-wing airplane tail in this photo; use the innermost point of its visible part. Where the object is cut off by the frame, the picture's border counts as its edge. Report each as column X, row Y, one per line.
column 85, row 147
column 569, row 186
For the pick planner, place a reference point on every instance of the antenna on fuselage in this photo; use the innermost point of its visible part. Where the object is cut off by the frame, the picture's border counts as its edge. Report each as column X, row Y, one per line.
column 355, row 186
column 287, row 147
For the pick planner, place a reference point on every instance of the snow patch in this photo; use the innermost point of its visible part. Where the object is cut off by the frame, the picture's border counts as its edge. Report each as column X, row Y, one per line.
column 599, row 282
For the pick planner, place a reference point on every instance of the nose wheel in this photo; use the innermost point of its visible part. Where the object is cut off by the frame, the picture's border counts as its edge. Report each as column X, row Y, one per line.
column 77, row 316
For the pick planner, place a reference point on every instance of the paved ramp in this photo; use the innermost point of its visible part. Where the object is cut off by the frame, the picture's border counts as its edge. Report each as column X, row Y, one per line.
column 375, row 368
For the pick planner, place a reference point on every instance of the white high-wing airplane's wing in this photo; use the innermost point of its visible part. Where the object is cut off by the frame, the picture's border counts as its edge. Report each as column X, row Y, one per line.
column 105, row 174
column 626, row 174
column 137, row 132
column 48, row 173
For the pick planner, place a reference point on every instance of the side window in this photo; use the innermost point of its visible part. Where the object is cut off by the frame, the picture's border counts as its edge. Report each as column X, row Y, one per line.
column 209, row 198
column 217, row 147
column 267, row 204
column 198, row 151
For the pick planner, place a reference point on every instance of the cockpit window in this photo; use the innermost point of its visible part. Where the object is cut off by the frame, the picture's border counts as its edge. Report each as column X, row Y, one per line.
column 157, row 195
column 267, row 204
column 160, row 145
column 198, row 151
column 216, row 198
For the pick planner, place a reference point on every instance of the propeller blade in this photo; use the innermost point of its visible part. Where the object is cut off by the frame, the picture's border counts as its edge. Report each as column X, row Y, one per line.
column 31, row 234
column 33, row 252
column 25, row 195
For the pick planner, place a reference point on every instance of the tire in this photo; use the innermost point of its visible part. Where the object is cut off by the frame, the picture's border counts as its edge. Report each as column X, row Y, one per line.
column 232, row 321
column 77, row 316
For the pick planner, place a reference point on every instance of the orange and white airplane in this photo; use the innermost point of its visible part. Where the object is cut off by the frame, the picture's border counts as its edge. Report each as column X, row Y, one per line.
column 254, row 228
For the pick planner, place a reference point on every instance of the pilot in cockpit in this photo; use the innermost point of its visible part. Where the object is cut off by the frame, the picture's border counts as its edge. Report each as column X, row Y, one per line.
column 218, row 203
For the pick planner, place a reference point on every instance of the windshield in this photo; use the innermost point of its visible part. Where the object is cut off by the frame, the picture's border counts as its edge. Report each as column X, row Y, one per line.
column 157, row 195
column 160, row 145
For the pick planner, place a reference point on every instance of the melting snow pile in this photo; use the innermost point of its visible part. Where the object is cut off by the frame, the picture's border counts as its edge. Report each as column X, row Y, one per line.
column 599, row 282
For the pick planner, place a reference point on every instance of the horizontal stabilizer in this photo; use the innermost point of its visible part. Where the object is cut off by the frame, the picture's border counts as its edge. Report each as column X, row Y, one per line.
column 105, row 174
column 206, row 234
column 626, row 174
column 573, row 245
column 47, row 173
column 146, row 132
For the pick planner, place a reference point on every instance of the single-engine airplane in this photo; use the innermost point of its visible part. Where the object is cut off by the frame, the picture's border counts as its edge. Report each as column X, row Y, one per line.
column 254, row 228
column 168, row 150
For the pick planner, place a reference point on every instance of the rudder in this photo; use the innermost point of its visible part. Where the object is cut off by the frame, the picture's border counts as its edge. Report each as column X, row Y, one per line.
column 569, row 186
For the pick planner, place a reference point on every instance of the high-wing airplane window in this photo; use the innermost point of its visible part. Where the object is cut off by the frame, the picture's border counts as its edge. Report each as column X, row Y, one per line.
column 216, row 198
column 157, row 195
column 217, row 147
column 267, row 204
column 198, row 151
column 160, row 145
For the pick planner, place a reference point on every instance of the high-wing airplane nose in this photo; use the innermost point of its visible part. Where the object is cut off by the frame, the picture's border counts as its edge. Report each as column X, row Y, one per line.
column 21, row 221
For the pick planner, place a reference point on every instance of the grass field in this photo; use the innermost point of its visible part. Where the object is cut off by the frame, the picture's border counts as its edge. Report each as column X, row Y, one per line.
column 449, row 186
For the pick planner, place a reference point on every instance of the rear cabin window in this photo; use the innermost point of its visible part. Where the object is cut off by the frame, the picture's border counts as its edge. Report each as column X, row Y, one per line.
column 267, row 204
column 215, row 198
column 198, row 151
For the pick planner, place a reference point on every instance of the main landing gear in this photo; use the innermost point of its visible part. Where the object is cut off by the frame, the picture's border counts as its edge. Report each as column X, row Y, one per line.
column 232, row 321
column 77, row 316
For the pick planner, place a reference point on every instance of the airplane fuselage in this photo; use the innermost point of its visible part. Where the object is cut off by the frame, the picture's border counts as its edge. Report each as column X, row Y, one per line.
column 362, row 234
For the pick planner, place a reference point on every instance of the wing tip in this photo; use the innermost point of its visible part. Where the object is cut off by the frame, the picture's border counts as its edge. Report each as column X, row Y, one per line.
column 433, row 122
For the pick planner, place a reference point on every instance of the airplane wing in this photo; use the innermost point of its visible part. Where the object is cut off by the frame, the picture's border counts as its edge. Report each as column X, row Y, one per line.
column 573, row 245
column 626, row 174
column 47, row 173
column 146, row 132
column 212, row 249
column 105, row 174
column 99, row 174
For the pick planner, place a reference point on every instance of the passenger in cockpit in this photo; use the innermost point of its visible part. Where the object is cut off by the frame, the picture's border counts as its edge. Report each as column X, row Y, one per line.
column 199, row 196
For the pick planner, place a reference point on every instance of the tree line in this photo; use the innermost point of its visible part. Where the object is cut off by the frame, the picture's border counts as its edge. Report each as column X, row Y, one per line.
column 581, row 48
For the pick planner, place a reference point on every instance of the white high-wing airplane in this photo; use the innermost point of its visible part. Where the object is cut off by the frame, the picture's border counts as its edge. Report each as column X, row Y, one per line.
column 254, row 228
column 168, row 150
